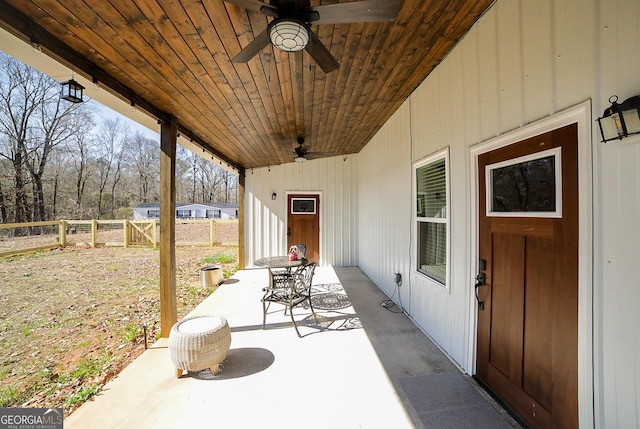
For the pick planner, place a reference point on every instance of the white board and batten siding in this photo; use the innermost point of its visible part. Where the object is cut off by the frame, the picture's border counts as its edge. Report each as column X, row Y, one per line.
column 384, row 206
column 523, row 64
column 332, row 178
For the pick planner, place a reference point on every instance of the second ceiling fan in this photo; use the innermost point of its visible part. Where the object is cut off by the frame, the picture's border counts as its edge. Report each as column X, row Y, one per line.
column 290, row 30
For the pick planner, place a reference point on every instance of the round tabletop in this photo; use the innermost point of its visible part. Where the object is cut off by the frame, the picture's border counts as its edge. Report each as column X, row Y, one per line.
column 279, row 262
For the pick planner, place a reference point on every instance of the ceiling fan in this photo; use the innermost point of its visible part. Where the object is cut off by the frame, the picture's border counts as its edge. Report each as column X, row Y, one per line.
column 303, row 154
column 290, row 30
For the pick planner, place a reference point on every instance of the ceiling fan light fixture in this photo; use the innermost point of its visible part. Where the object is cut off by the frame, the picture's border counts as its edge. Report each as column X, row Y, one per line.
column 289, row 35
column 299, row 159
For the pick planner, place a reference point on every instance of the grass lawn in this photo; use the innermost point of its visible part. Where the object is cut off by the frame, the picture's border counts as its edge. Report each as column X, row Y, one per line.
column 71, row 319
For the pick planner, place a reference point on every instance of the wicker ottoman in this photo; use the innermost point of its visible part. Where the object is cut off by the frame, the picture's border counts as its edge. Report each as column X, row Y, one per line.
column 199, row 342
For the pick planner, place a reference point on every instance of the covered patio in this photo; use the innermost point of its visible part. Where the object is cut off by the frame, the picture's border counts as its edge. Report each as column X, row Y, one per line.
column 362, row 366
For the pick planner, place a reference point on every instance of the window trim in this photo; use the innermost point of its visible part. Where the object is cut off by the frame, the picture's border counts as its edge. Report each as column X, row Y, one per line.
column 556, row 153
column 295, row 211
column 435, row 157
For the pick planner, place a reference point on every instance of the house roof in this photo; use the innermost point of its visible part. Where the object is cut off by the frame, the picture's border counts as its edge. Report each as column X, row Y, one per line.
column 172, row 59
column 180, row 205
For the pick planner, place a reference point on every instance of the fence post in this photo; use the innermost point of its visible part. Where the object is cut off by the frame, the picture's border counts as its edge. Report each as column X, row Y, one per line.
column 94, row 232
column 155, row 237
column 211, row 233
column 127, row 232
column 62, row 232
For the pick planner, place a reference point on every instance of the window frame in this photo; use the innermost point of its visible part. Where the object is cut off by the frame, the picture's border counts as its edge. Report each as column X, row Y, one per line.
column 180, row 213
column 295, row 207
column 213, row 214
column 556, row 153
column 417, row 220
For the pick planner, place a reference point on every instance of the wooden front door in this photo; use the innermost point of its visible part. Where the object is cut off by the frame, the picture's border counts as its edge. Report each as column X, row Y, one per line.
column 303, row 223
column 528, row 245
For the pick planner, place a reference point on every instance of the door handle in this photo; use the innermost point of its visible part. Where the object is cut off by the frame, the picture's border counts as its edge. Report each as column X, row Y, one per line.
column 288, row 231
column 481, row 280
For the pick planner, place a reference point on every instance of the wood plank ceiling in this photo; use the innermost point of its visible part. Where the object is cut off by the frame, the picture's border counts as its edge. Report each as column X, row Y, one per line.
column 172, row 58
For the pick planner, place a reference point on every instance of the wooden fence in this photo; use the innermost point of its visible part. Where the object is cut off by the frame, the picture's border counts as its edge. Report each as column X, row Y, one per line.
column 16, row 238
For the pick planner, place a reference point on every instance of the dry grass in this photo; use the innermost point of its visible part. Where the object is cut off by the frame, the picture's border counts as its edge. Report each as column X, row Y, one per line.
column 71, row 319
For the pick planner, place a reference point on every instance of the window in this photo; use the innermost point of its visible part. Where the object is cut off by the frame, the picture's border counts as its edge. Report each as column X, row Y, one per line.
column 153, row 214
column 432, row 216
column 213, row 214
column 529, row 186
column 303, row 206
column 183, row 214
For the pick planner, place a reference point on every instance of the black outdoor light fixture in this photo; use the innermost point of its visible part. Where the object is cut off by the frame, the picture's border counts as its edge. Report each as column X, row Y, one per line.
column 620, row 120
column 72, row 91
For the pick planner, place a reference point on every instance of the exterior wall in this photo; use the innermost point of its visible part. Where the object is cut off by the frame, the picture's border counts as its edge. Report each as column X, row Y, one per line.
column 229, row 213
column 385, row 202
column 522, row 62
column 141, row 212
column 333, row 178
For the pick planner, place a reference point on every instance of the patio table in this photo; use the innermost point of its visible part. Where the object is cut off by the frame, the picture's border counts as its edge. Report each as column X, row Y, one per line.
column 279, row 269
column 279, row 262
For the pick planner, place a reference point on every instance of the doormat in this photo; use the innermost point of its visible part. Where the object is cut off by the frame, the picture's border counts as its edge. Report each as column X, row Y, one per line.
column 446, row 400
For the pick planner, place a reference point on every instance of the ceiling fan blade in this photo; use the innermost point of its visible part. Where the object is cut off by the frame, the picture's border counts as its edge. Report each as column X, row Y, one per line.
column 321, row 54
column 317, row 155
column 358, row 11
column 252, row 49
column 256, row 6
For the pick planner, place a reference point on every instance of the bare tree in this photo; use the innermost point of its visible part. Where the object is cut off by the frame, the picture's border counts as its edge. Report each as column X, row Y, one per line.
column 183, row 167
column 200, row 180
column 117, row 175
column 229, row 186
column 3, row 206
column 210, row 181
column 35, row 120
column 55, row 161
column 58, row 121
column 194, row 172
column 79, row 147
column 111, row 138
column 145, row 158
column 18, row 103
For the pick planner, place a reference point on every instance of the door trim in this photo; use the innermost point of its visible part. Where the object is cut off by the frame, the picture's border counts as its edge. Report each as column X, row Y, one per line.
column 320, row 216
column 581, row 115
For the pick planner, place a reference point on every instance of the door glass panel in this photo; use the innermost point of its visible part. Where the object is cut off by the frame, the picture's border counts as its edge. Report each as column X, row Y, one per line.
column 526, row 186
column 303, row 206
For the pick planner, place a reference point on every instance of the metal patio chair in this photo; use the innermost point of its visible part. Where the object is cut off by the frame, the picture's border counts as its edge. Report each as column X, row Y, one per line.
column 280, row 276
column 290, row 291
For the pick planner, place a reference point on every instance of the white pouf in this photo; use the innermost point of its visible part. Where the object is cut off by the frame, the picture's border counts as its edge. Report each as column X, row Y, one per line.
column 199, row 342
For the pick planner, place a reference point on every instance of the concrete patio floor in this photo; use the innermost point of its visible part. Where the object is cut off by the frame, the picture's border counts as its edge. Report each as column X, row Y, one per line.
column 362, row 366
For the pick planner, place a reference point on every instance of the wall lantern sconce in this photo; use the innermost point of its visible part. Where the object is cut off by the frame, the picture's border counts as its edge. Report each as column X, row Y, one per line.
column 72, row 91
column 620, row 120
column 273, row 196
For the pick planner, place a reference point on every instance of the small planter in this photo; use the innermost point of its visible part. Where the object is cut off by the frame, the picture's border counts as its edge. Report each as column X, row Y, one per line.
column 211, row 276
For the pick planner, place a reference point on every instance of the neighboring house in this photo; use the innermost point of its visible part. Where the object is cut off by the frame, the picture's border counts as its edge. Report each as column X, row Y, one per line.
column 410, row 202
column 189, row 211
